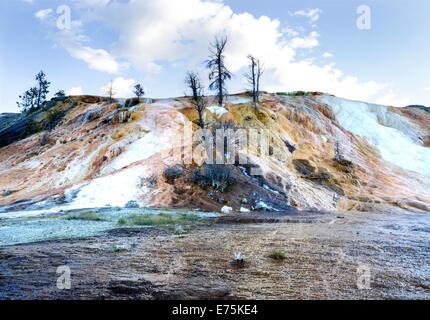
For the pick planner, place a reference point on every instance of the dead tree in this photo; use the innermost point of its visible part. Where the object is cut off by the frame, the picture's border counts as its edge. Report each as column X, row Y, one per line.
column 200, row 106
column 253, row 76
column 218, row 71
column 193, row 82
column 110, row 91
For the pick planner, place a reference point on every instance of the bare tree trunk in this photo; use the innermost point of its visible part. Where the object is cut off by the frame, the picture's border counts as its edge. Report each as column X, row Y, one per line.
column 202, row 125
column 254, row 92
column 257, row 92
column 221, row 91
column 219, row 73
column 39, row 94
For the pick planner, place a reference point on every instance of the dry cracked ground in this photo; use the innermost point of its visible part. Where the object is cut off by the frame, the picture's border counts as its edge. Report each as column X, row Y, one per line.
column 322, row 255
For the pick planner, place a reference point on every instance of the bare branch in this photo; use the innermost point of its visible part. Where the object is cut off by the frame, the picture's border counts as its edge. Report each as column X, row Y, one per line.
column 218, row 71
column 253, row 76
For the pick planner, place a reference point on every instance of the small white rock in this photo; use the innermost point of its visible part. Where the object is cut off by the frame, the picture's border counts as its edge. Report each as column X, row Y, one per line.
column 242, row 209
column 226, row 209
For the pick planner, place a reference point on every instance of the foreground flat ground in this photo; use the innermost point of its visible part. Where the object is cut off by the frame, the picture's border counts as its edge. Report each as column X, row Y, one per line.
column 322, row 255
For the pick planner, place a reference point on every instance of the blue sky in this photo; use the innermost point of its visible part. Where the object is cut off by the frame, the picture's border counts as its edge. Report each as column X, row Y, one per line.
column 305, row 45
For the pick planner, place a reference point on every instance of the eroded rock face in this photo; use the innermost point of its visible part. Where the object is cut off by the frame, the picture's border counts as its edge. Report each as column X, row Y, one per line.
column 102, row 153
column 122, row 116
column 303, row 167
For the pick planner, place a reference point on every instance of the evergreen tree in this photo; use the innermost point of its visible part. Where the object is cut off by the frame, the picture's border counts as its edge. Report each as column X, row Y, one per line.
column 42, row 89
column 28, row 100
column 138, row 90
column 60, row 94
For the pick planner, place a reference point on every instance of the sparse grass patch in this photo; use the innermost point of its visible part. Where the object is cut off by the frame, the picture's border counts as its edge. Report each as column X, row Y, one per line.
column 55, row 238
column 299, row 93
column 137, row 115
column 86, row 216
column 120, row 132
column 162, row 219
column 292, row 93
column 117, row 250
column 277, row 254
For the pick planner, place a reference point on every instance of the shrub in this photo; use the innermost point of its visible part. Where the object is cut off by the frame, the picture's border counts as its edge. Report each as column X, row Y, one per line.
column 172, row 173
column 60, row 94
column 292, row 93
column 129, row 103
column 151, row 181
column 277, row 254
column 132, row 204
column 219, row 176
column 86, row 216
column 160, row 219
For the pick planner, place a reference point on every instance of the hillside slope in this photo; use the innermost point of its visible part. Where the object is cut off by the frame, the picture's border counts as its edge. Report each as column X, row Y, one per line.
column 331, row 154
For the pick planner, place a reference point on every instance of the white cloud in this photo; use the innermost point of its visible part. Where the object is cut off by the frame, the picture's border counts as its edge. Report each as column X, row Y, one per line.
column 303, row 75
column 43, row 14
column 290, row 31
column 90, row 3
column 76, row 91
column 122, row 88
column 327, row 55
column 97, row 59
column 74, row 41
column 312, row 14
column 159, row 35
column 427, row 89
column 307, row 42
column 390, row 99
column 147, row 41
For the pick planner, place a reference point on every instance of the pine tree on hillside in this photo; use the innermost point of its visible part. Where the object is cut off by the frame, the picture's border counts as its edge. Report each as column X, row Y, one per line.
column 28, row 100
column 42, row 89
column 138, row 90
column 34, row 98
column 60, row 94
